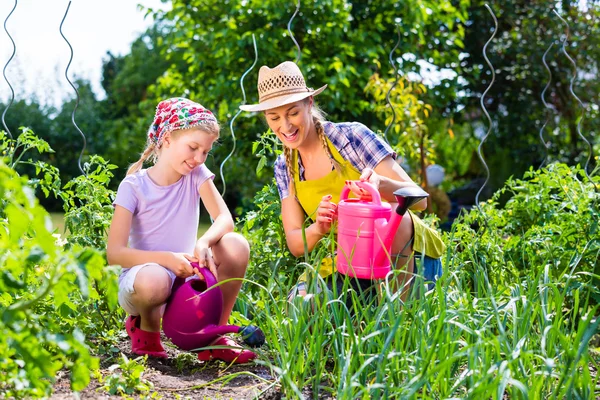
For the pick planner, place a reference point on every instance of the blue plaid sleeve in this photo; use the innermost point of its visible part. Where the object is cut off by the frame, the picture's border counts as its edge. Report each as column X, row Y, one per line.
column 281, row 177
column 365, row 149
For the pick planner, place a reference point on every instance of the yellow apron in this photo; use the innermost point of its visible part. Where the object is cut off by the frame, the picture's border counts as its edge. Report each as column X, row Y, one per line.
column 309, row 193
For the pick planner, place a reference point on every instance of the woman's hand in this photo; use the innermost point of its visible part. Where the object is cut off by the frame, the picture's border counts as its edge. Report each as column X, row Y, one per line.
column 179, row 264
column 326, row 214
column 368, row 175
column 204, row 257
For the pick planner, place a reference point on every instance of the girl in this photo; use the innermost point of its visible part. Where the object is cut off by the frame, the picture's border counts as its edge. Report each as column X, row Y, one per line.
column 319, row 158
column 155, row 224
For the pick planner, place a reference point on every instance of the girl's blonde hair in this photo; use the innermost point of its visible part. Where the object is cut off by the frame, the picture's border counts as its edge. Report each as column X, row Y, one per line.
column 318, row 117
column 152, row 150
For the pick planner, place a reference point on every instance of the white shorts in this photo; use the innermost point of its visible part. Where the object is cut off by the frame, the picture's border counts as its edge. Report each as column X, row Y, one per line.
column 126, row 290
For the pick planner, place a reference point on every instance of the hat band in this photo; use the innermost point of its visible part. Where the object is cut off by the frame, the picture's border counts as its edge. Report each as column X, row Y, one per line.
column 283, row 93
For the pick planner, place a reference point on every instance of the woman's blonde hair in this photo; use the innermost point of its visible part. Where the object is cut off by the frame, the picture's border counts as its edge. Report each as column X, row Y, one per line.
column 318, row 117
column 152, row 150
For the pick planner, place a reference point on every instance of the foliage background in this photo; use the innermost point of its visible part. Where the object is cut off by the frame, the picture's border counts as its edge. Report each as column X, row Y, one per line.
column 200, row 49
column 518, row 304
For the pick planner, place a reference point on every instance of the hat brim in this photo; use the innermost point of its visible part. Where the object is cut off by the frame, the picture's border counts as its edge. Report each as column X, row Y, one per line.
column 280, row 101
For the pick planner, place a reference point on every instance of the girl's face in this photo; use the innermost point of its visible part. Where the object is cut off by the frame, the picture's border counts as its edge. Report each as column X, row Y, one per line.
column 291, row 122
column 187, row 149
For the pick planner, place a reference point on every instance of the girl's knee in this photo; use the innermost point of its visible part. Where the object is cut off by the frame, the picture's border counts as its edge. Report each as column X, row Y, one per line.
column 232, row 249
column 152, row 285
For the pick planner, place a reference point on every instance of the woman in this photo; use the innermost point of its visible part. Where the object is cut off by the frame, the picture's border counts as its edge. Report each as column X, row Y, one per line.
column 319, row 158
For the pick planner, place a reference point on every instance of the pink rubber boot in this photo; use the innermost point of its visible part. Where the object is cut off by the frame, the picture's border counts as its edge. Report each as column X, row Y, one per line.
column 236, row 354
column 144, row 342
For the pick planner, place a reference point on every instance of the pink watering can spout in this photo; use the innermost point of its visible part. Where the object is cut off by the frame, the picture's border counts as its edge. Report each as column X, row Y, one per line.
column 406, row 198
column 191, row 318
column 366, row 230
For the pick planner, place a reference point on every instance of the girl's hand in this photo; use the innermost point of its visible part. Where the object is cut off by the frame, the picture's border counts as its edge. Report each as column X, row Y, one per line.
column 204, row 257
column 326, row 214
column 179, row 263
column 368, row 175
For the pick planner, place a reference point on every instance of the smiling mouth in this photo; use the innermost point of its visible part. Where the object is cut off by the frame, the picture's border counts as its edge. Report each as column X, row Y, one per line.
column 290, row 136
column 189, row 166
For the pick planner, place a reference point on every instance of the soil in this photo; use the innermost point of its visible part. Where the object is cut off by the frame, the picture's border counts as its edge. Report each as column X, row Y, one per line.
column 181, row 376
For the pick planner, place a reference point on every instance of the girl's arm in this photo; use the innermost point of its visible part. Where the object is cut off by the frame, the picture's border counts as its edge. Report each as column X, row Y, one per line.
column 391, row 178
column 292, row 215
column 118, row 253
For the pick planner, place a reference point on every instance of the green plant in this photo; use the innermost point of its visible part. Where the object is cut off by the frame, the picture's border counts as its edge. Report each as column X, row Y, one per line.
column 38, row 277
column 270, row 259
column 503, row 320
column 185, row 361
column 264, row 148
column 58, row 297
column 127, row 377
column 551, row 218
column 409, row 135
column 87, row 202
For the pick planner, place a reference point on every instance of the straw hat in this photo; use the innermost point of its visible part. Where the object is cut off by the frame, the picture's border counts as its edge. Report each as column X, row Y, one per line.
column 281, row 85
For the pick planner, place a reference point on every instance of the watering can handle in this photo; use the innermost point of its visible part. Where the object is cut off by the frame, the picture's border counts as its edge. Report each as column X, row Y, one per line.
column 376, row 197
column 209, row 278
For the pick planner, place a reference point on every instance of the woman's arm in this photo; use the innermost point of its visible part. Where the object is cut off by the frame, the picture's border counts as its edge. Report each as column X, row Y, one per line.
column 391, row 178
column 292, row 215
column 118, row 253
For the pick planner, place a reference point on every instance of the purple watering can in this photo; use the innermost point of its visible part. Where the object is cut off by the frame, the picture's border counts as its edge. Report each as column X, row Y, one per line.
column 193, row 312
column 366, row 230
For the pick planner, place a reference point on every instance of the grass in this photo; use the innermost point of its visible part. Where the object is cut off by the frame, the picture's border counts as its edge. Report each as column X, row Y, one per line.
column 464, row 339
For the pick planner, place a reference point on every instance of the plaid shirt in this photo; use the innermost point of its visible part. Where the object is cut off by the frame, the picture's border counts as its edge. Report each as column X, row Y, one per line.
column 354, row 141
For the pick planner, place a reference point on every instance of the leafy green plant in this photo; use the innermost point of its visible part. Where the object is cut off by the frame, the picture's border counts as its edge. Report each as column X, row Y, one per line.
column 270, row 259
column 46, row 177
column 58, row 297
column 551, row 218
column 409, row 136
column 88, row 204
column 37, row 278
column 127, row 377
column 264, row 148
column 185, row 361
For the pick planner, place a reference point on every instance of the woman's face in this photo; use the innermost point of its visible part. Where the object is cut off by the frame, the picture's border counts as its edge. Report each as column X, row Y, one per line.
column 291, row 122
column 188, row 149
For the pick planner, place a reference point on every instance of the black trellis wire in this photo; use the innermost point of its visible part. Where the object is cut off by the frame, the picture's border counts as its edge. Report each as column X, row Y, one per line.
column 546, row 105
column 482, row 102
column 12, row 92
column 387, row 96
column 76, row 92
column 236, row 115
column 289, row 28
column 573, row 77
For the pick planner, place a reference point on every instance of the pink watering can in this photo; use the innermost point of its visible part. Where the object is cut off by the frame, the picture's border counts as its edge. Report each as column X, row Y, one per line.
column 366, row 230
column 193, row 312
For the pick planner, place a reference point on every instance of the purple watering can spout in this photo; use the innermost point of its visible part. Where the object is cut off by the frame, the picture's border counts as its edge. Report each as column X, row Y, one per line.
column 191, row 318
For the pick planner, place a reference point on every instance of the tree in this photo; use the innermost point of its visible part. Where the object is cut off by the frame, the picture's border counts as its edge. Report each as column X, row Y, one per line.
column 340, row 40
column 526, row 30
column 126, row 111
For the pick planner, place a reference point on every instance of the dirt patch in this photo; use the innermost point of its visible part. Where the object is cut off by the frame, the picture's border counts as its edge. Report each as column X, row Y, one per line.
column 183, row 376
